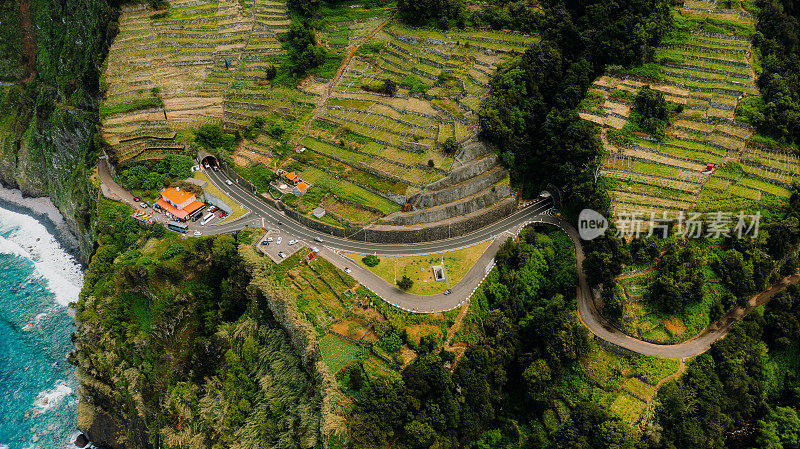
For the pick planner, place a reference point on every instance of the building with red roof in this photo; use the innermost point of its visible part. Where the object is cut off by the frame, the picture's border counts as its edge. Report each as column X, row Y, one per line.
column 178, row 203
column 301, row 188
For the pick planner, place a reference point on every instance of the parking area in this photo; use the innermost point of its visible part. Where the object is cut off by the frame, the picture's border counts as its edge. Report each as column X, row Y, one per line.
column 278, row 245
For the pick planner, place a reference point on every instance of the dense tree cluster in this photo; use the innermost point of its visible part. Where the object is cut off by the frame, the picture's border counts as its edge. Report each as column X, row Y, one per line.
column 743, row 266
column 191, row 355
column 157, row 174
column 530, row 339
column 652, row 112
column 301, row 45
column 778, row 39
column 744, row 392
column 530, row 114
column 679, row 281
column 440, row 13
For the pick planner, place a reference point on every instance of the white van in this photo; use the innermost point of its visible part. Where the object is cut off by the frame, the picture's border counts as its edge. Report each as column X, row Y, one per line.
column 206, row 219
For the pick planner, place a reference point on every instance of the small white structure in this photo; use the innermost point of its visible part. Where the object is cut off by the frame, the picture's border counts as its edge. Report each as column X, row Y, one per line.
column 318, row 212
column 438, row 273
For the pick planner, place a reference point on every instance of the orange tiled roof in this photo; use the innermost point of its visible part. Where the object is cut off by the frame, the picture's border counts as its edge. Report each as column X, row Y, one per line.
column 291, row 176
column 171, row 209
column 193, row 206
column 303, row 186
column 176, row 196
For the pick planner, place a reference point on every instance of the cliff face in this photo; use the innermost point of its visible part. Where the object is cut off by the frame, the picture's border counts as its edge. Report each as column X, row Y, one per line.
column 51, row 52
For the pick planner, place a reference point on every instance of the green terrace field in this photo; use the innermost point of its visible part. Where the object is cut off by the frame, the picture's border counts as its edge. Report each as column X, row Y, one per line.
column 366, row 152
column 349, row 321
column 196, row 62
column 705, row 67
column 392, row 143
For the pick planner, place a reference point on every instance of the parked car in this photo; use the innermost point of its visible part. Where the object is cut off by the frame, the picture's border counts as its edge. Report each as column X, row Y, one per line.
column 137, row 199
column 213, row 209
column 221, row 214
column 281, row 255
column 280, row 239
column 315, row 249
column 317, row 239
column 197, row 233
column 347, row 270
column 447, row 292
column 143, row 204
column 269, row 239
column 292, row 242
column 264, row 242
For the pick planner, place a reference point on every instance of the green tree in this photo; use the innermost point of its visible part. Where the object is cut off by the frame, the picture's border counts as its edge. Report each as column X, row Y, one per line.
column 370, row 260
column 780, row 429
column 405, row 283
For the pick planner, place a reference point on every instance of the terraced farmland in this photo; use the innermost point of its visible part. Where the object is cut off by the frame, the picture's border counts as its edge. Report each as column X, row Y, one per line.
column 440, row 78
column 708, row 73
column 367, row 153
column 200, row 61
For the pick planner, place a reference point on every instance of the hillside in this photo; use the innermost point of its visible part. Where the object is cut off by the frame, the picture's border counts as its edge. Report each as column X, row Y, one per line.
column 50, row 55
column 368, row 151
column 707, row 66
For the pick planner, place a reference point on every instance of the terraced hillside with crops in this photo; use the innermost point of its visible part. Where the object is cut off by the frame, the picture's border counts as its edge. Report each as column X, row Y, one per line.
column 404, row 156
column 707, row 66
column 393, row 144
column 197, row 62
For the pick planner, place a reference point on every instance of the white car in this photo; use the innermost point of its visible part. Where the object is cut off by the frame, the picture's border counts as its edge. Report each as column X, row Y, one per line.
column 347, row 270
column 228, row 181
column 315, row 249
column 280, row 239
column 317, row 239
column 197, row 233
column 281, row 255
column 292, row 242
column 269, row 239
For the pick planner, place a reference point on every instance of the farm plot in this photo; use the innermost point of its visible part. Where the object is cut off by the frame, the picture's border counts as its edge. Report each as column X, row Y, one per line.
column 439, row 81
column 197, row 62
column 707, row 73
column 348, row 191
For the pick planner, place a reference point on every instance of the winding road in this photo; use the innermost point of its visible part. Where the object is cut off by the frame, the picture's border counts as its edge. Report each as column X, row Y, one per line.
column 262, row 214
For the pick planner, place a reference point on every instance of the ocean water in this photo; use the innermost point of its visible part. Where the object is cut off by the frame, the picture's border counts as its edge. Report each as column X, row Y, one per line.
column 38, row 390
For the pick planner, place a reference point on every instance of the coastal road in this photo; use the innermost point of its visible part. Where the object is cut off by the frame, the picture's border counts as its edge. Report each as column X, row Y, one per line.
column 261, row 209
column 332, row 248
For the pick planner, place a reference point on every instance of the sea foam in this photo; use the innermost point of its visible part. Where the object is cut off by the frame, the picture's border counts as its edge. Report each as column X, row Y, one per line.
column 50, row 398
column 25, row 237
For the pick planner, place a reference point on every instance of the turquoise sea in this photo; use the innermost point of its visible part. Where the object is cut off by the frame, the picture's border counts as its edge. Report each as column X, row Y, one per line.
column 38, row 390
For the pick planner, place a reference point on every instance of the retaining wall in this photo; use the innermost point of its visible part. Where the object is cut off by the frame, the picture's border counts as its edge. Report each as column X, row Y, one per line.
column 483, row 199
column 470, row 187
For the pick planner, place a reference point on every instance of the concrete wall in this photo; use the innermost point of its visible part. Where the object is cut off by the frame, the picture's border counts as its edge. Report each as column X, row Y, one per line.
column 483, row 199
column 465, row 172
column 403, row 234
column 467, row 188
column 214, row 201
column 472, row 149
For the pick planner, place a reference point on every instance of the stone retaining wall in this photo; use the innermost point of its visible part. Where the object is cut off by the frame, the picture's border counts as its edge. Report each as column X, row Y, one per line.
column 484, row 199
column 470, row 187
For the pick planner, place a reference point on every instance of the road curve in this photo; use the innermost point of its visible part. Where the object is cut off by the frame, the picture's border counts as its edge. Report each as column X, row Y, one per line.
column 264, row 215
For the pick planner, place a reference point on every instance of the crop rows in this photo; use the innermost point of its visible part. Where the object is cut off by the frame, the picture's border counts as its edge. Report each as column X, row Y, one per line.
column 707, row 73
column 440, row 78
column 196, row 58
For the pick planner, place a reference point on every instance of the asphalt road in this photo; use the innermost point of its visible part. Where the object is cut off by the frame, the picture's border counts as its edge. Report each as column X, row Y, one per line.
column 261, row 209
column 264, row 215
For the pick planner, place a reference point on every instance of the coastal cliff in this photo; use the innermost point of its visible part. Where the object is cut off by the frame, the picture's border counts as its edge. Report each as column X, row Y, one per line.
column 51, row 53
column 177, row 348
